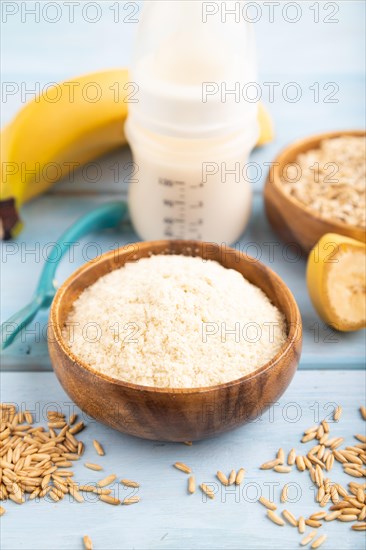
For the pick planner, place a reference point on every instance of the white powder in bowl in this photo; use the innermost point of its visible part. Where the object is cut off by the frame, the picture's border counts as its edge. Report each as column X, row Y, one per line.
column 174, row 321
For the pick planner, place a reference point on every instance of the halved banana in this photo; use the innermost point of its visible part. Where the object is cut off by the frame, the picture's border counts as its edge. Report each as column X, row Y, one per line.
column 336, row 280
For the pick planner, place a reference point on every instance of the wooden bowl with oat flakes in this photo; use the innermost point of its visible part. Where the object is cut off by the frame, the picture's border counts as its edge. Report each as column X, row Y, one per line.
column 175, row 414
column 316, row 186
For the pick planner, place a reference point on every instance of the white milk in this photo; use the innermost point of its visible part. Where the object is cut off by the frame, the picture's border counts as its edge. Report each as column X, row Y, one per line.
column 190, row 139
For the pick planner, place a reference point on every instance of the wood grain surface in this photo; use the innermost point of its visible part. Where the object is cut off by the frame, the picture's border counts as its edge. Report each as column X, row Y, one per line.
column 168, row 518
column 319, row 57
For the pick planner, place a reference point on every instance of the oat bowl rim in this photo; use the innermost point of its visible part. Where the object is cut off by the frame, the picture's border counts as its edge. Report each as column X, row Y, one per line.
column 306, row 144
column 273, row 186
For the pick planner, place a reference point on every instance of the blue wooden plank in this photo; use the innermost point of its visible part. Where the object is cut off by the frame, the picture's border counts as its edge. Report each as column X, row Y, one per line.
column 23, row 259
column 324, row 49
column 167, row 517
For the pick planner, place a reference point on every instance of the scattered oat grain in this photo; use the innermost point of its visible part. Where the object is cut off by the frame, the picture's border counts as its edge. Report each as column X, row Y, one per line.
column 98, row 447
column 131, row 500
column 129, row 483
column 333, row 515
column 109, row 500
column 207, row 490
column 267, row 503
column 107, row 480
column 337, row 413
column 270, row 464
column 282, row 469
column 284, row 493
column 281, row 456
column 319, row 541
column 275, row 518
column 291, row 457
column 93, row 466
column 232, row 477
column 290, row 518
column 308, row 538
column 222, row 478
column 182, row 467
column 191, row 485
column 300, row 463
column 359, row 527
column 313, row 523
column 347, row 517
column 239, row 476
column 301, row 525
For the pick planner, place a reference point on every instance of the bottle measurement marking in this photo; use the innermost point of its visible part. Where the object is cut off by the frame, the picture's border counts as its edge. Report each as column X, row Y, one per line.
column 182, row 217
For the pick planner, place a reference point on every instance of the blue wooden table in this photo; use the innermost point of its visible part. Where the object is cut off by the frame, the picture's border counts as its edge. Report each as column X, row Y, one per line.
column 326, row 56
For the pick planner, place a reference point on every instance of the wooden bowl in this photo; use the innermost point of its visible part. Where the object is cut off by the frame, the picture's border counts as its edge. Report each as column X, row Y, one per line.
column 293, row 221
column 174, row 414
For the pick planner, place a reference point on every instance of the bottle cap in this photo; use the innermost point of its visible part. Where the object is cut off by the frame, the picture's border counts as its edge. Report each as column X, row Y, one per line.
column 193, row 72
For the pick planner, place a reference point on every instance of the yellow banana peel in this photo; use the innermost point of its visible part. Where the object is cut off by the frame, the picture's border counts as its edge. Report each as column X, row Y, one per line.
column 266, row 131
column 336, row 275
column 67, row 126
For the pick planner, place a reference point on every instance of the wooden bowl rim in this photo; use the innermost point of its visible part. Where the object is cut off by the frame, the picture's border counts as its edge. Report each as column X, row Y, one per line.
column 286, row 151
column 294, row 334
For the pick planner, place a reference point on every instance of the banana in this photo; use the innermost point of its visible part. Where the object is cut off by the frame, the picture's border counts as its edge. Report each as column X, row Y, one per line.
column 336, row 275
column 266, row 131
column 67, row 126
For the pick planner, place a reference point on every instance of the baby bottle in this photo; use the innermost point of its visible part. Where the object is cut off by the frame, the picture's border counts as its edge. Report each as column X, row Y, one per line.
column 191, row 127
